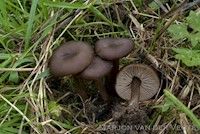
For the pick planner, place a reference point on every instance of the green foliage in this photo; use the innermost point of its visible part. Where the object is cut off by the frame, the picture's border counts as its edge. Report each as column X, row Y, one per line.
column 77, row 5
column 10, row 124
column 54, row 109
column 30, row 24
column 193, row 21
column 138, row 3
column 11, row 130
column 164, row 107
column 13, row 61
column 178, row 31
column 156, row 6
column 179, row 105
column 190, row 57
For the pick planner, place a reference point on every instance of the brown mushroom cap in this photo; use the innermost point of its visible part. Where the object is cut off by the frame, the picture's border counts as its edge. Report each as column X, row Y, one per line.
column 71, row 58
column 112, row 49
column 97, row 69
column 149, row 81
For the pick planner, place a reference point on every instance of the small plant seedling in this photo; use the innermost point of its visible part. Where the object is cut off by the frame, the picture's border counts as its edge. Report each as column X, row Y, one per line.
column 165, row 106
column 190, row 57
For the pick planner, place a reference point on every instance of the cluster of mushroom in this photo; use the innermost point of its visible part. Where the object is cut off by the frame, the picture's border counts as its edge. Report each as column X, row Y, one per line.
column 79, row 59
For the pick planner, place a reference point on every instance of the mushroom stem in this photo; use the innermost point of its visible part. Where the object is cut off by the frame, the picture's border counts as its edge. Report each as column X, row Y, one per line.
column 80, row 89
column 102, row 90
column 135, row 92
column 112, row 77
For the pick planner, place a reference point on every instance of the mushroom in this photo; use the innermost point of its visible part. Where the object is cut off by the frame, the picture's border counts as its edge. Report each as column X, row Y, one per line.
column 113, row 49
column 97, row 69
column 137, row 82
column 71, row 58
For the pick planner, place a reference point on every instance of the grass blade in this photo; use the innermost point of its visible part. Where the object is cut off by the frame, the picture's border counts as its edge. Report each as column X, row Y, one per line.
column 183, row 108
column 66, row 5
column 20, row 112
column 4, row 16
column 101, row 16
column 30, row 23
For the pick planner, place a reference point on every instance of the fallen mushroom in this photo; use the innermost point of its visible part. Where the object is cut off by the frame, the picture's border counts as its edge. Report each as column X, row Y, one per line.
column 71, row 58
column 137, row 82
column 113, row 49
column 97, row 69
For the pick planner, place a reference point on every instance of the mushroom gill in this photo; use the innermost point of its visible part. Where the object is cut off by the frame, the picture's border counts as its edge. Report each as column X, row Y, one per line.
column 149, row 81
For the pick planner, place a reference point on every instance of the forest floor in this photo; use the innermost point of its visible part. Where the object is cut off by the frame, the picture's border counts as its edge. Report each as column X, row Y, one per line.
column 166, row 36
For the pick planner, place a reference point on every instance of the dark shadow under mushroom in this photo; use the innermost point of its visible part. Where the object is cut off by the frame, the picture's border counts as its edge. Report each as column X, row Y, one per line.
column 128, row 119
column 95, row 71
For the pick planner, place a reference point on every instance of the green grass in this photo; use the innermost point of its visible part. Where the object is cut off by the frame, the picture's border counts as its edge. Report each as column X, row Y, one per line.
column 31, row 99
column 183, row 108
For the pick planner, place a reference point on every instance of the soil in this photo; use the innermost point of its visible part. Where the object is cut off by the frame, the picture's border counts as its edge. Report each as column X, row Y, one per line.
column 95, row 110
column 127, row 120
